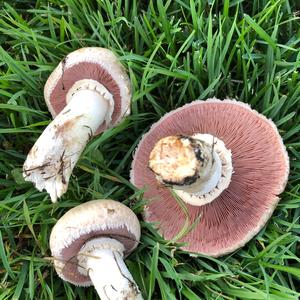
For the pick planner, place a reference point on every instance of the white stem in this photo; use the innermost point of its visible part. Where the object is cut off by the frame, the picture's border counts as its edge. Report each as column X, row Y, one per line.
column 186, row 163
column 103, row 260
column 197, row 168
column 51, row 160
column 211, row 173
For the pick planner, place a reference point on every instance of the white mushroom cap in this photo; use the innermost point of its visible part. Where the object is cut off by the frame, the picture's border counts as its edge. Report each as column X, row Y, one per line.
column 94, row 63
column 91, row 220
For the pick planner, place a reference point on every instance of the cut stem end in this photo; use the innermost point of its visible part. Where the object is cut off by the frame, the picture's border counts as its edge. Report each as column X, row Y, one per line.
column 198, row 168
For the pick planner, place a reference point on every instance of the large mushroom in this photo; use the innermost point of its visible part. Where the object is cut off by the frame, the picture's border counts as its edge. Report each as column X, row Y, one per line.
column 88, row 245
column 88, row 92
column 225, row 161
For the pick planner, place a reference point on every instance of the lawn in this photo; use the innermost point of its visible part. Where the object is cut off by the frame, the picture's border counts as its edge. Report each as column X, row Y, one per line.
column 174, row 52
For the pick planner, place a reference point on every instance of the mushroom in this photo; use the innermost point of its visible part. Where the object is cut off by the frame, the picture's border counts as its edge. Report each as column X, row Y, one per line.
column 88, row 245
column 225, row 161
column 87, row 93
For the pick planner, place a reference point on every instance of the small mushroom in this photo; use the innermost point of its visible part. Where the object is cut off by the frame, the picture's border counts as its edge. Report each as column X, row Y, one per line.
column 88, row 92
column 227, row 163
column 89, row 243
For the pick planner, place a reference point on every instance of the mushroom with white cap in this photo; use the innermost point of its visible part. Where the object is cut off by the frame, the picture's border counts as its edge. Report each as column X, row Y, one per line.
column 89, row 243
column 227, row 163
column 88, row 92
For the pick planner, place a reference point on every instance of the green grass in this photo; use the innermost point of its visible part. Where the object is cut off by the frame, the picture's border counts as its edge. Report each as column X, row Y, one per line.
column 175, row 52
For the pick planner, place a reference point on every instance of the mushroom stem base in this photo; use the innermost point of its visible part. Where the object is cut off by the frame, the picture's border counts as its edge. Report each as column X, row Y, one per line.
column 51, row 160
column 102, row 260
column 208, row 188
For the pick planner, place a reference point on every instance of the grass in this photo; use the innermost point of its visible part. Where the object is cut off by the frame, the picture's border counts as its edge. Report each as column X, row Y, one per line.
column 175, row 52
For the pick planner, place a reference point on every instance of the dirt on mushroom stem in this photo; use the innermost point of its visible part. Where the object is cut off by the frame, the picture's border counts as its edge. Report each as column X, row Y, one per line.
column 193, row 166
column 50, row 162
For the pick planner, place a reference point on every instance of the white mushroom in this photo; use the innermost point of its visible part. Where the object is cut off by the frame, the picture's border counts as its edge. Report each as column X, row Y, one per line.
column 225, row 160
column 87, row 93
column 89, row 243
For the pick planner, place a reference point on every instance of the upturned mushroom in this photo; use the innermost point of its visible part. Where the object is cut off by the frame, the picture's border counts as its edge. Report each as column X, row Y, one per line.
column 227, row 163
column 87, row 93
column 89, row 243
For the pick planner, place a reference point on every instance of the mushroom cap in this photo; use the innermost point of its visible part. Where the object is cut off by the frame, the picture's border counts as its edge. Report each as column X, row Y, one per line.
column 90, row 220
column 95, row 63
column 260, row 173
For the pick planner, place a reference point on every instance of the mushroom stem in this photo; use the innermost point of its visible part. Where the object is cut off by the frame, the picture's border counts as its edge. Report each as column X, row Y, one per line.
column 102, row 260
column 193, row 166
column 51, row 160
